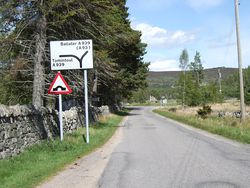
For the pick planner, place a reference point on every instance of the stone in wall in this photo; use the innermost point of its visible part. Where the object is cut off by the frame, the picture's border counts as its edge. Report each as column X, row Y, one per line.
column 73, row 119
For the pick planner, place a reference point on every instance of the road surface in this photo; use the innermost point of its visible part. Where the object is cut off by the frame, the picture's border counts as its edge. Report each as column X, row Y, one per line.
column 159, row 153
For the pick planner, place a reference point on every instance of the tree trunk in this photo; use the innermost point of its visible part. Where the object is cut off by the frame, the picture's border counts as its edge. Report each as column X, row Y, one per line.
column 39, row 78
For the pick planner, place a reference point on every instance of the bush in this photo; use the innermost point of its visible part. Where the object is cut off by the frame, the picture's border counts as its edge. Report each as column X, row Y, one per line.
column 172, row 109
column 204, row 111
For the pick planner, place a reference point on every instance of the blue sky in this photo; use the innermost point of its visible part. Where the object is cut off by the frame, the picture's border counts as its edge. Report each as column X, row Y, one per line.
column 206, row 26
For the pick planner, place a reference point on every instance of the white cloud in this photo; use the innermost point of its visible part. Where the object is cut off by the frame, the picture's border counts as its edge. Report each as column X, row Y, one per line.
column 164, row 65
column 201, row 4
column 159, row 37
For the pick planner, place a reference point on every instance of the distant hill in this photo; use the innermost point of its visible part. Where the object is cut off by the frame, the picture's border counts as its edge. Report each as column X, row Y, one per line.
column 168, row 78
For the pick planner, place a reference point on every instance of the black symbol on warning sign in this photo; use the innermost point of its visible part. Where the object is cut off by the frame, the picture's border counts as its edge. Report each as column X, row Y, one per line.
column 57, row 88
column 79, row 59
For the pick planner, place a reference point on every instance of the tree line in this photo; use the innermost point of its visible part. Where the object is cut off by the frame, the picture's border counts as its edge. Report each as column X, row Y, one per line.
column 190, row 85
column 27, row 27
column 191, row 88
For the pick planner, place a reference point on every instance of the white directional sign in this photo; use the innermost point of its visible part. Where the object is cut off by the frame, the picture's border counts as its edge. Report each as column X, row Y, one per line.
column 71, row 54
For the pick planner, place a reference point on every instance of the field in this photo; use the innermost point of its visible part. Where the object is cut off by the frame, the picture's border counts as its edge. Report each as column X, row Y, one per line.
column 228, row 107
column 228, row 126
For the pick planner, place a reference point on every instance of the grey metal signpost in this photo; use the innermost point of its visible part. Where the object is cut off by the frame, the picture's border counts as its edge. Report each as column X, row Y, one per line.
column 86, row 105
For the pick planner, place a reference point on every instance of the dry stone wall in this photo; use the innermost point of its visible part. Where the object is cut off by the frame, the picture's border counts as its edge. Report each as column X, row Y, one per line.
column 22, row 126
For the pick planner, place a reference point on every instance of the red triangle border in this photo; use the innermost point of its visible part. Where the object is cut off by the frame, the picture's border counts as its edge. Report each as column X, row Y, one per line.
column 59, row 92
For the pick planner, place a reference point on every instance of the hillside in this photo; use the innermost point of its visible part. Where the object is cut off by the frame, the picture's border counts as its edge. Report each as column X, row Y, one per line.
column 168, row 78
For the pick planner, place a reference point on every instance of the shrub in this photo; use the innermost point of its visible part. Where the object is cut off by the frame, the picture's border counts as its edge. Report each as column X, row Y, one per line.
column 204, row 111
column 172, row 109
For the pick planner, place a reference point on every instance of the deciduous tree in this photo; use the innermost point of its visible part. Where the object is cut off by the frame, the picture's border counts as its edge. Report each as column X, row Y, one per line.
column 184, row 59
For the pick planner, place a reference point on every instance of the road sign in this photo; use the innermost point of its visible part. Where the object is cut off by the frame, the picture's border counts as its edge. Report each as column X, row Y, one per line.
column 71, row 54
column 59, row 85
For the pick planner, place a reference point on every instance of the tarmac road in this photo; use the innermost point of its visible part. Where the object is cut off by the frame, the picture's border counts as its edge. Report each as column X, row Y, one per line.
column 159, row 153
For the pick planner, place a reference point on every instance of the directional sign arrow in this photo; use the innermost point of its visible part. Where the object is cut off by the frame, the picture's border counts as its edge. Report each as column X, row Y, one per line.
column 79, row 59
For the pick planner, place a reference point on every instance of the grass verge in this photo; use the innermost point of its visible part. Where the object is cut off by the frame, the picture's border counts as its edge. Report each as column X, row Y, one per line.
column 227, row 127
column 45, row 159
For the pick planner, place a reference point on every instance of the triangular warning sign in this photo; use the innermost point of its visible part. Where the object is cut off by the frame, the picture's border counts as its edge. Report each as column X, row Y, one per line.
column 59, row 85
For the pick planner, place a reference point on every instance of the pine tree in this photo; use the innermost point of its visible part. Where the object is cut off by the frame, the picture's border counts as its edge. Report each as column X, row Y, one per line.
column 23, row 26
column 26, row 27
column 197, row 69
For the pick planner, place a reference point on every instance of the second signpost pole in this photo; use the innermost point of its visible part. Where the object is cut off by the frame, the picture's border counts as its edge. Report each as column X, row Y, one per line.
column 86, row 105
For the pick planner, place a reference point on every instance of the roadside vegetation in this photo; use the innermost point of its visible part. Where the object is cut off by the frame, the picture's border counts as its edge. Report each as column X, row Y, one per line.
column 45, row 159
column 226, row 126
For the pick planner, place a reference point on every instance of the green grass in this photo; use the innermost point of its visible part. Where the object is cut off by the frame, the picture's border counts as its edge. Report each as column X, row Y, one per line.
column 45, row 159
column 227, row 127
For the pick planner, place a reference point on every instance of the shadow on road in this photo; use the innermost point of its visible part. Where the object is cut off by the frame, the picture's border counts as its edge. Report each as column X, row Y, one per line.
column 127, row 111
column 133, row 108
